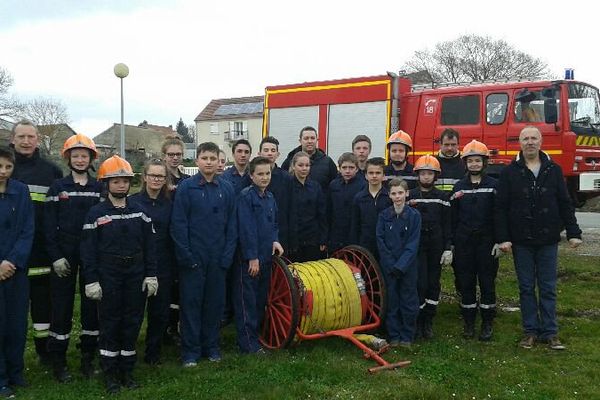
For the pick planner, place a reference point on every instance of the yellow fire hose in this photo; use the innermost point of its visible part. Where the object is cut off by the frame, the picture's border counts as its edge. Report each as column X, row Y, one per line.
column 332, row 299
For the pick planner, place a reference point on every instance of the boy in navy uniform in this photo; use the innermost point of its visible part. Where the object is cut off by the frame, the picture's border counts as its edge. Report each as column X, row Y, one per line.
column 119, row 265
column 257, row 227
column 67, row 203
column 398, row 232
column 399, row 145
column 203, row 227
column 16, row 231
column 367, row 205
column 339, row 201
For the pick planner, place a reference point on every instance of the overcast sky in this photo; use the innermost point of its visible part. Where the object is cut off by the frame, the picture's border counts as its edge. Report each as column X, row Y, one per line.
column 182, row 54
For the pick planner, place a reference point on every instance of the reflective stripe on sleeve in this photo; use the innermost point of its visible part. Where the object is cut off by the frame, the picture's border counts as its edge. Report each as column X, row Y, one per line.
column 108, row 353
column 59, row 337
column 90, row 333
column 432, row 302
column 439, row 201
column 474, row 305
column 487, row 306
column 36, row 271
column 128, row 353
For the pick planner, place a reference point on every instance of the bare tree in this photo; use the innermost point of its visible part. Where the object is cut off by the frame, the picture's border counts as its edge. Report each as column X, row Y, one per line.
column 50, row 115
column 10, row 106
column 475, row 58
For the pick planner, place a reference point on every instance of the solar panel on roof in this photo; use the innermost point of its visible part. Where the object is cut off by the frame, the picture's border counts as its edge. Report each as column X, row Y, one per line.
column 242, row 108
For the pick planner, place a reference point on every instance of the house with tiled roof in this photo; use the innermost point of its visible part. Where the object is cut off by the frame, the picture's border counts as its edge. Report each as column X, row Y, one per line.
column 141, row 142
column 223, row 121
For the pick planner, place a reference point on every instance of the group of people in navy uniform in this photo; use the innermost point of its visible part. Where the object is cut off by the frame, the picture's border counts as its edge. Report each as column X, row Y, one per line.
column 193, row 252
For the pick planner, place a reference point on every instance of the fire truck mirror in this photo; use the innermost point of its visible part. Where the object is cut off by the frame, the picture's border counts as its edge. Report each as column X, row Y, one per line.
column 550, row 111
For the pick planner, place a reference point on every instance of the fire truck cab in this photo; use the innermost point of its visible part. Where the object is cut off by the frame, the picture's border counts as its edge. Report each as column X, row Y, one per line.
column 567, row 112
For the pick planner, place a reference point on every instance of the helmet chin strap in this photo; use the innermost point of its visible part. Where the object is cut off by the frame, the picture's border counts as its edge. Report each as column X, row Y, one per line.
column 119, row 195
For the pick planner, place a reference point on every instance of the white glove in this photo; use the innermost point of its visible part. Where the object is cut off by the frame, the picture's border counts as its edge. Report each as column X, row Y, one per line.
column 62, row 267
column 151, row 285
column 496, row 252
column 93, row 291
column 446, row 257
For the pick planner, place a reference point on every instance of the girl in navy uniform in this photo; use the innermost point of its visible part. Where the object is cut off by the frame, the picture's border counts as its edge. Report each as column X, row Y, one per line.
column 118, row 266
column 308, row 218
column 16, row 231
column 155, row 199
column 473, row 200
column 258, row 240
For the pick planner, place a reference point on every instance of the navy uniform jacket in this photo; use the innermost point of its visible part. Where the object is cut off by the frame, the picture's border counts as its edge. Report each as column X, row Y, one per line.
column 16, row 224
column 436, row 214
column 533, row 211
column 453, row 170
column 322, row 168
column 339, row 209
column 238, row 181
column 365, row 211
column 473, row 207
column 117, row 232
column 257, row 224
column 407, row 174
column 308, row 214
column 159, row 210
column 38, row 174
column 67, row 204
column 398, row 238
column 203, row 222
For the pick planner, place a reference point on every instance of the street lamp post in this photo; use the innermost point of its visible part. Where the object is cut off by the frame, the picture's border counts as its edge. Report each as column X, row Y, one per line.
column 121, row 71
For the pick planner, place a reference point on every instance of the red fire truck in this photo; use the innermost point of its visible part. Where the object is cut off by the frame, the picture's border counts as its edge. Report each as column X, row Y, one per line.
column 567, row 112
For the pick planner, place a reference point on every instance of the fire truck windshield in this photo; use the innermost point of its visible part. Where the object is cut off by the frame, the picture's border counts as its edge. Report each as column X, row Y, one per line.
column 584, row 108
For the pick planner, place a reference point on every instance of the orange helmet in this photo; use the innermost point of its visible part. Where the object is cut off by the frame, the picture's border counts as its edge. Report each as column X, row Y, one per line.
column 400, row 137
column 475, row 148
column 79, row 141
column 115, row 167
column 427, row 162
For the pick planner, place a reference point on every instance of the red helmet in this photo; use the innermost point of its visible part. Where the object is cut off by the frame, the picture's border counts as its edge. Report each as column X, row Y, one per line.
column 115, row 167
column 79, row 141
column 400, row 137
column 427, row 162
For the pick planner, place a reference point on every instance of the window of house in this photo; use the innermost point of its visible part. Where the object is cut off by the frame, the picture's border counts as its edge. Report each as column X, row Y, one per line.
column 460, row 110
column 496, row 105
column 214, row 128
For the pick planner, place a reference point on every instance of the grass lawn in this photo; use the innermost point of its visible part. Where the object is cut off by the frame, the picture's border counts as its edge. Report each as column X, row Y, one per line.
column 447, row 367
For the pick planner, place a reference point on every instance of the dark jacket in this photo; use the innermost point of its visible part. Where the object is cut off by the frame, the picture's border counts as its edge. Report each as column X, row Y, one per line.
column 67, row 204
column 365, row 211
column 38, row 174
column 339, row 209
column 322, row 168
column 203, row 223
column 112, row 233
column 398, row 238
column 16, row 224
column 159, row 210
column 308, row 216
column 280, row 188
column 407, row 174
column 257, row 225
column 453, row 170
column 434, row 207
column 473, row 207
column 533, row 211
column 238, row 181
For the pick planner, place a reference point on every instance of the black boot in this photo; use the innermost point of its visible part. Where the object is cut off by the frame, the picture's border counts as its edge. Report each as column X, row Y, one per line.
column 427, row 328
column 112, row 383
column 486, row 331
column 59, row 368
column 61, row 373
column 469, row 329
column 87, row 365
column 128, row 381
